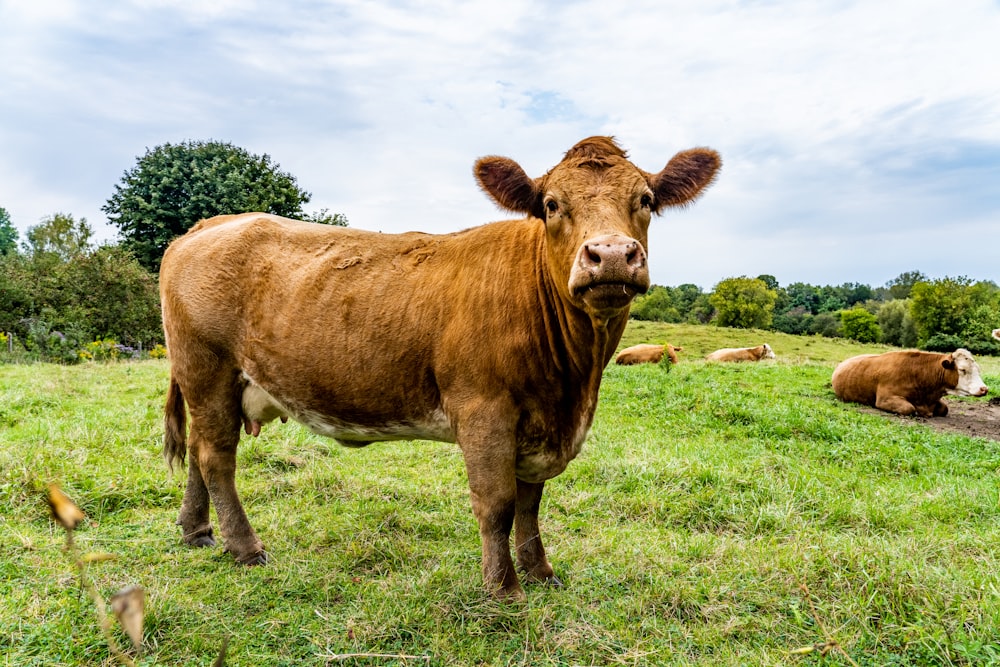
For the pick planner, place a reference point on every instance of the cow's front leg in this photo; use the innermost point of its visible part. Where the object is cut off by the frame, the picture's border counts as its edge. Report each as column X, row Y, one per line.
column 527, row 538
column 897, row 404
column 489, row 462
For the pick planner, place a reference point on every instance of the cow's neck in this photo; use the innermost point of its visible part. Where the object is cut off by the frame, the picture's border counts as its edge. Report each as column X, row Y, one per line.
column 580, row 345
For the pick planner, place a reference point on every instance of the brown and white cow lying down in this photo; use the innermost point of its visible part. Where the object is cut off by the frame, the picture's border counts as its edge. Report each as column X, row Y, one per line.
column 996, row 334
column 647, row 353
column 742, row 353
column 494, row 337
column 909, row 381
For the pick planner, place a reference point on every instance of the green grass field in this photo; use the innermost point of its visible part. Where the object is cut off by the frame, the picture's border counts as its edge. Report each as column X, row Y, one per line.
column 718, row 515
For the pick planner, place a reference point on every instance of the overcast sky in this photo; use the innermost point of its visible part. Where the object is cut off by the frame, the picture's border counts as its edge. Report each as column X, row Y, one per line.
column 860, row 140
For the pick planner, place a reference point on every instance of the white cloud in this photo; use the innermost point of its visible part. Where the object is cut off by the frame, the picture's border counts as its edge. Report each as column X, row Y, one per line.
column 836, row 119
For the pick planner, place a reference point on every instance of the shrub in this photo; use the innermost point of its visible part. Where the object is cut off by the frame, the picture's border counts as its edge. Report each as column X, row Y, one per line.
column 826, row 325
column 51, row 345
column 896, row 324
column 860, row 325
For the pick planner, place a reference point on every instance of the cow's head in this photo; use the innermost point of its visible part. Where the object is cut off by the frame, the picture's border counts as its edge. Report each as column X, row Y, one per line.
column 596, row 207
column 970, row 382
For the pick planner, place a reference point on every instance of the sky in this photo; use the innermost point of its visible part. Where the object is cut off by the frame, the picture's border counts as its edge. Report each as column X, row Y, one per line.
column 860, row 140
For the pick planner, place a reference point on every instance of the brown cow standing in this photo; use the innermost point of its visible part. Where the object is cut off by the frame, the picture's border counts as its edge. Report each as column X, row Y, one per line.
column 494, row 337
column 647, row 353
column 742, row 353
column 909, row 381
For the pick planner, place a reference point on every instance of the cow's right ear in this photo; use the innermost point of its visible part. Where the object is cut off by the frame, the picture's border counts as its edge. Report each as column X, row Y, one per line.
column 507, row 185
column 948, row 363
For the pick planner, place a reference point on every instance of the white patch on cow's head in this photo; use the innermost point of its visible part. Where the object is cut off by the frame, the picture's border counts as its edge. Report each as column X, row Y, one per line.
column 970, row 382
column 768, row 352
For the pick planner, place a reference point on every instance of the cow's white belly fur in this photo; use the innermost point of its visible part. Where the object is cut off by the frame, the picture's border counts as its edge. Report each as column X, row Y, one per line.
column 262, row 407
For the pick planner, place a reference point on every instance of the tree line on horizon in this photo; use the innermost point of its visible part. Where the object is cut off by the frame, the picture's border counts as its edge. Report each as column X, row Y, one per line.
column 911, row 310
column 59, row 291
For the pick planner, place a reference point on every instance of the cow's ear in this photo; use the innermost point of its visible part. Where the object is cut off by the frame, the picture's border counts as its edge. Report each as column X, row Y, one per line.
column 507, row 184
column 684, row 178
column 948, row 363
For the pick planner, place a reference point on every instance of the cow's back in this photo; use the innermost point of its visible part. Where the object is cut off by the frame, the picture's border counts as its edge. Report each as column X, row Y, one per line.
column 856, row 379
column 644, row 353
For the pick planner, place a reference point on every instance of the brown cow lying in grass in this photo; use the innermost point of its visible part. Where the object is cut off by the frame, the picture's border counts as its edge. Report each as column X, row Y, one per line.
column 742, row 353
column 494, row 337
column 647, row 353
column 909, row 381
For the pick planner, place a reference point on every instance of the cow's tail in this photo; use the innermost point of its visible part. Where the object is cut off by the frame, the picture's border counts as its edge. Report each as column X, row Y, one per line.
column 174, row 426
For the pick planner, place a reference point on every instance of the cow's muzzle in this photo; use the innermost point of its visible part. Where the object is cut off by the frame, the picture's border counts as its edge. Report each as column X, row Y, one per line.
column 609, row 271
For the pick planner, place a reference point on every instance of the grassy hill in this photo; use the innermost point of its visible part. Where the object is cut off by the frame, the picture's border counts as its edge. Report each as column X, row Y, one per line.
column 718, row 515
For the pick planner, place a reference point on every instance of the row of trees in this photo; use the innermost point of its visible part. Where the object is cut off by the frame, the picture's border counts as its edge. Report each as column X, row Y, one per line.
column 909, row 311
column 59, row 290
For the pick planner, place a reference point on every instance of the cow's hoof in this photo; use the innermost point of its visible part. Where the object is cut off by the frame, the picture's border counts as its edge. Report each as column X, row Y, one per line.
column 511, row 595
column 202, row 541
column 552, row 582
column 258, row 558
column 201, row 538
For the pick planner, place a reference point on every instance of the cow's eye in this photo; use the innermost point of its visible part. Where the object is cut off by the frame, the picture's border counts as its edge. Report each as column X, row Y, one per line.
column 551, row 206
column 646, row 201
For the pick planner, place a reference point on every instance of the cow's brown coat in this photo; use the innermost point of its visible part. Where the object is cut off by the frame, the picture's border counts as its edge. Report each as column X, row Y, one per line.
column 906, row 382
column 742, row 353
column 494, row 337
column 647, row 353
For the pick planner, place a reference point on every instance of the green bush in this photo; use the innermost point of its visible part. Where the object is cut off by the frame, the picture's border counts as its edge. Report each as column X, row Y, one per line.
column 49, row 344
column 896, row 324
column 826, row 325
column 860, row 325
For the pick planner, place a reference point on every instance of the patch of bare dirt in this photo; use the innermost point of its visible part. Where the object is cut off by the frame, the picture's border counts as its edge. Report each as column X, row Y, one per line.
column 975, row 418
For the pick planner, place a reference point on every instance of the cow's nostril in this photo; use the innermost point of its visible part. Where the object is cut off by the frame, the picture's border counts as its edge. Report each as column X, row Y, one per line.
column 631, row 253
column 594, row 255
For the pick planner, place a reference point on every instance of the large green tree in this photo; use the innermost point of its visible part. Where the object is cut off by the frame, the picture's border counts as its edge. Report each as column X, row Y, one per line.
column 743, row 302
column 174, row 186
column 954, row 307
column 8, row 233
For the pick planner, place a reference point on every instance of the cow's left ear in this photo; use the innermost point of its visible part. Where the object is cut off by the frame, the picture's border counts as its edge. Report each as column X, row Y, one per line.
column 948, row 363
column 507, row 185
column 684, row 178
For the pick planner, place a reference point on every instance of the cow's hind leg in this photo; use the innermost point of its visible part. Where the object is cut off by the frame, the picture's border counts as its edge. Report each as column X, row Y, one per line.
column 213, row 444
column 216, row 419
column 527, row 538
column 194, row 521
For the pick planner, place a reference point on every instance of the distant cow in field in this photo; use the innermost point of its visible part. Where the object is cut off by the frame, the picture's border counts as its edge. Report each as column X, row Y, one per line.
column 494, row 337
column 647, row 353
column 996, row 334
column 908, row 382
column 742, row 353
